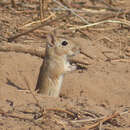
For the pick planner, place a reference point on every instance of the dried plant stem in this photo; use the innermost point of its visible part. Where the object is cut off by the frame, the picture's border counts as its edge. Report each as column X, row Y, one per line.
column 61, row 110
column 86, row 120
column 39, row 21
column 41, row 9
column 71, row 10
column 102, row 22
column 39, row 51
column 121, row 60
column 83, row 53
column 20, row 118
column 10, row 39
column 13, row 4
column 104, row 120
column 37, row 101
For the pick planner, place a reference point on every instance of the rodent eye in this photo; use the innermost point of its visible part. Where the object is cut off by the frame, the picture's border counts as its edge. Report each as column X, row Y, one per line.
column 64, row 43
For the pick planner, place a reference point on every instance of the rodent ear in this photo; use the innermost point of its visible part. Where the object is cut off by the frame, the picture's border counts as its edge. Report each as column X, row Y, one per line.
column 51, row 38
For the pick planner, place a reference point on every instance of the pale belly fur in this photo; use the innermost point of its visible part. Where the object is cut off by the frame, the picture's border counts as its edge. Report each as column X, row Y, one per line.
column 56, row 86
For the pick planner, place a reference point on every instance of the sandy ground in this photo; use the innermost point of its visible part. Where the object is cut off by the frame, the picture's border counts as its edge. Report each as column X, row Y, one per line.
column 87, row 94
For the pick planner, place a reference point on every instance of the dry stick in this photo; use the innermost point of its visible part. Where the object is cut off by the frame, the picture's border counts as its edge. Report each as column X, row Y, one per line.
column 121, row 60
column 39, row 51
column 86, row 120
column 49, row 109
column 104, row 29
column 105, row 119
column 61, row 110
column 37, row 101
column 102, row 121
column 85, row 10
column 102, row 22
column 38, row 21
column 13, row 3
column 110, row 7
column 63, row 123
column 71, row 10
column 111, row 15
column 86, row 55
column 10, row 39
column 21, row 118
column 5, row 2
column 108, row 58
column 115, row 59
column 41, row 9
column 101, row 9
column 84, row 34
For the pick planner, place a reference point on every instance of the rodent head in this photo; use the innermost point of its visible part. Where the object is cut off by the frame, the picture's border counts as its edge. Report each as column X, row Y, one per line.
column 66, row 47
column 61, row 45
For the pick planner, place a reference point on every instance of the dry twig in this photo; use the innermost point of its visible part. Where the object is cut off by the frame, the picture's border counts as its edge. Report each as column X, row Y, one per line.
column 102, row 22
column 61, row 110
column 121, row 60
column 39, row 51
column 5, row 114
column 43, row 8
column 10, row 39
column 13, row 3
column 104, row 120
column 37, row 101
column 86, row 120
column 71, row 10
column 83, row 53
column 39, row 21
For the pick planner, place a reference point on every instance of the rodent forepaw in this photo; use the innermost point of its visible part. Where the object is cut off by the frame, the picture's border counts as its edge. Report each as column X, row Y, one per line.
column 73, row 67
column 70, row 67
